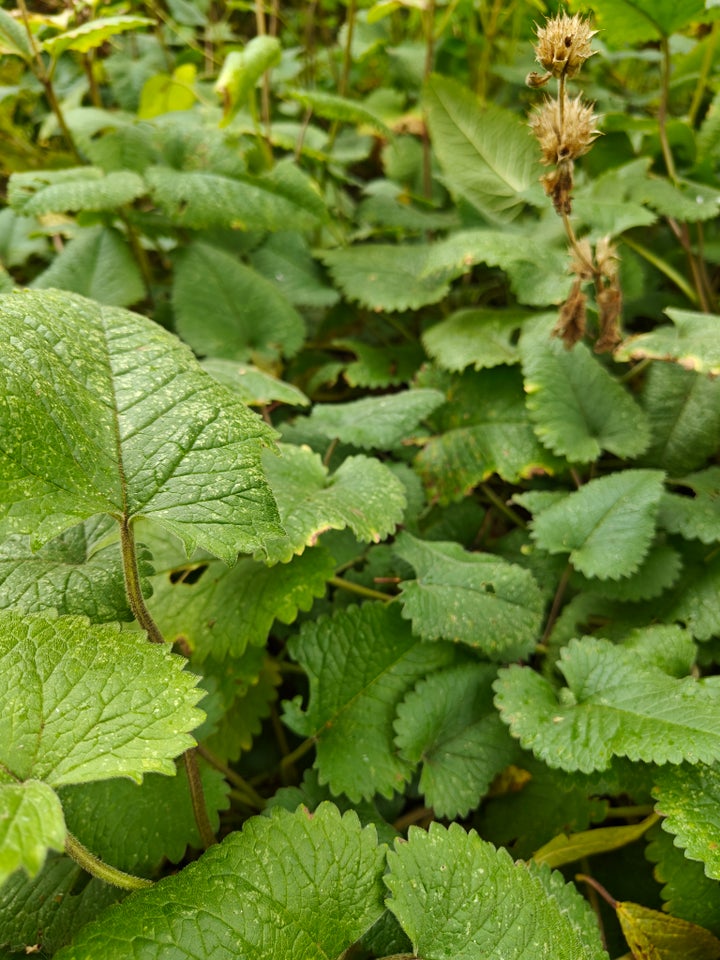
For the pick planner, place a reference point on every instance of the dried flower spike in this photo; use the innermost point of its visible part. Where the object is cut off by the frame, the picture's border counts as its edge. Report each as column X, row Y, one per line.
column 564, row 134
column 564, row 45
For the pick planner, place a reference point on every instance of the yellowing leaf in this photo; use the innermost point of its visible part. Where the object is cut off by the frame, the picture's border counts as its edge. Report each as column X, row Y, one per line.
column 567, row 848
column 165, row 93
column 652, row 935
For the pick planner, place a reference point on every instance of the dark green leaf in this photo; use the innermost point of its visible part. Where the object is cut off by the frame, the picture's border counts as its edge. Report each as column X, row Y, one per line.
column 78, row 188
column 379, row 423
column 688, row 797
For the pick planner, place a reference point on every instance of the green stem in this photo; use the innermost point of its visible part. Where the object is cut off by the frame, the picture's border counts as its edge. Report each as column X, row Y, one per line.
column 670, row 272
column 138, row 251
column 663, row 110
column 133, row 589
column 633, row 810
column 103, row 871
column 289, row 759
column 500, row 505
column 197, row 795
column 359, row 589
column 557, row 602
column 242, row 786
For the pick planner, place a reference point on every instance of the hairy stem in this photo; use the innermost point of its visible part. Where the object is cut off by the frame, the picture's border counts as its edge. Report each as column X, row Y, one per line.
column 133, row 589
column 359, row 589
column 197, row 795
column 103, row 871
column 500, row 505
column 248, row 792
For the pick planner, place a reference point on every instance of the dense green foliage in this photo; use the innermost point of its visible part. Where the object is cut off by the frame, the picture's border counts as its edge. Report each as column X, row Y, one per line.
column 341, row 548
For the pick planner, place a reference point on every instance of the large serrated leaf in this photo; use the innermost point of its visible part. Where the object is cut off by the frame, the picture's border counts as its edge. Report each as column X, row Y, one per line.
column 577, row 407
column 615, row 704
column 31, row 823
column 692, row 342
column 79, row 188
column 606, row 527
column 379, row 423
column 96, row 263
column 93, row 33
column 360, row 663
column 473, row 598
column 252, row 385
column 102, row 411
column 688, row 797
column 330, row 106
column 627, row 22
column 295, row 886
column 226, row 309
column 448, row 724
column 688, row 893
column 486, row 155
column 53, row 725
column 475, row 335
column 456, row 896
column 79, row 573
column 362, row 494
column 696, row 516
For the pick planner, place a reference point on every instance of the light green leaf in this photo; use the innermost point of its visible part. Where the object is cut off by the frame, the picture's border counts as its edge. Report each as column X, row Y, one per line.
column 457, row 896
column 577, row 407
column 694, row 599
column 79, row 573
column 93, row 34
column 607, row 526
column 376, row 423
column 14, row 38
column 687, row 797
column 486, row 155
column 360, row 664
column 692, row 342
column 683, row 409
column 484, row 428
column 53, row 725
column 126, row 423
column 35, row 193
column 686, row 201
column 362, row 494
column 627, row 22
column 31, row 822
column 378, row 367
column 285, row 259
column 168, row 92
column 656, row 574
column 448, row 724
column 615, row 704
column 565, row 848
column 248, row 700
column 284, row 199
column 96, row 263
column 135, row 827
column 475, row 335
column 299, row 886
column 472, row 598
column 20, row 237
column 221, row 611
column 696, row 516
column 330, row 106
column 252, row 385
column 687, row 892
column 242, row 69
column 226, row 309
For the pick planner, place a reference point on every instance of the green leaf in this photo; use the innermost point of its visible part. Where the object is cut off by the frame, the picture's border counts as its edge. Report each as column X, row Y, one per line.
column 683, row 409
column 614, row 704
column 473, row 598
column 53, row 724
column 79, row 573
column 475, row 335
column 565, row 848
column 449, row 725
column 285, row 259
column 687, row 892
column 93, row 34
column 36, row 193
column 694, row 598
column 627, row 22
column 696, row 516
column 126, row 423
column 378, row 423
column 577, row 407
column 658, row 572
column 242, row 69
column 226, row 309
column 687, row 201
column 220, row 611
column 486, row 155
column 692, row 342
column 96, row 263
column 330, row 106
column 360, row 664
column 607, row 526
column 457, row 896
column 284, row 199
column 135, row 827
column 483, row 429
column 20, row 238
column 168, row 92
column 362, row 494
column 299, row 886
column 252, row 385
column 651, row 934
column 687, row 797
column 31, row 822
column 14, row 38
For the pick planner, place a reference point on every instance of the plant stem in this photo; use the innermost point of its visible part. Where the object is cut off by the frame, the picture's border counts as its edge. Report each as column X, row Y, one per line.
column 663, row 110
column 670, row 272
column 289, row 759
column 248, row 792
column 197, row 796
column 633, row 810
column 428, row 19
column 133, row 589
column 103, row 871
column 557, row 602
column 705, row 69
column 499, row 504
column 359, row 589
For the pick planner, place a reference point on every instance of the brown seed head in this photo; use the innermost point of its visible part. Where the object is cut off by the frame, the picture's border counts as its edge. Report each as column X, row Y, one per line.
column 564, row 44
column 564, row 134
column 570, row 326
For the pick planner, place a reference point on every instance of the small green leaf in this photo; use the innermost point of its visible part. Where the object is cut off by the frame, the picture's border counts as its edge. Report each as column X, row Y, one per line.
column 14, row 37
column 299, row 886
column 330, row 106
column 696, row 516
column 252, row 385
column 578, row 409
column 473, row 598
column 168, row 92
column 378, row 423
column 31, row 822
column 53, row 724
column 475, row 335
column 286, row 260
column 379, row 367
column 687, row 797
column 360, row 664
column 692, row 342
column 614, row 704
column 242, row 69
column 606, row 527
column 226, row 309
column 35, row 193
column 656, row 574
column 362, row 494
column 20, row 238
column 687, row 892
column 93, row 34
column 566, row 848
column 457, row 896
column 449, row 725
column 694, row 599
column 628, row 22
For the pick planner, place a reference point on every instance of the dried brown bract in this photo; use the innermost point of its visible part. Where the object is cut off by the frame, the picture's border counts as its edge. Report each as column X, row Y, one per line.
column 564, row 45
column 565, row 130
column 573, row 317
